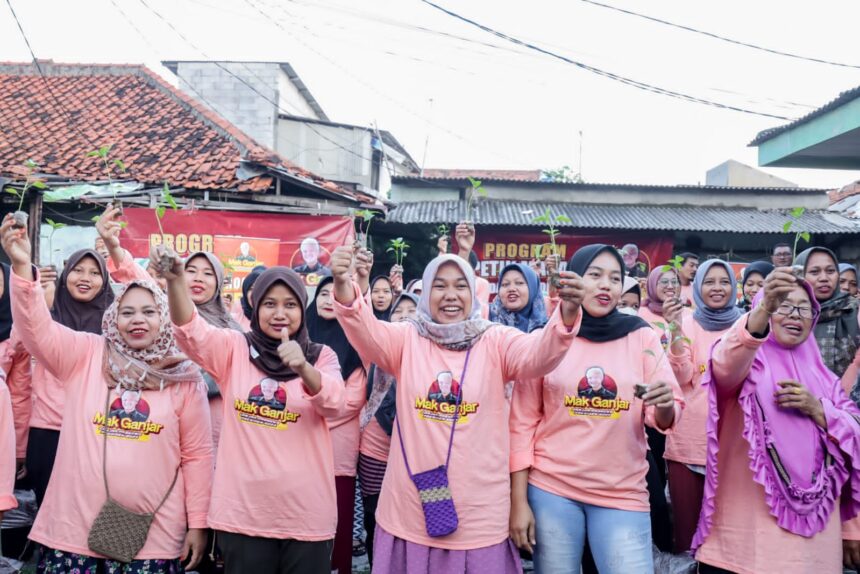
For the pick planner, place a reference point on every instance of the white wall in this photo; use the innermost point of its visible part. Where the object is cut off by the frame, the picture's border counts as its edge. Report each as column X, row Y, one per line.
column 320, row 149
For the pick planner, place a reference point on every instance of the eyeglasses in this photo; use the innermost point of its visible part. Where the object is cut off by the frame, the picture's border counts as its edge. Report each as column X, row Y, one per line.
column 667, row 283
column 787, row 310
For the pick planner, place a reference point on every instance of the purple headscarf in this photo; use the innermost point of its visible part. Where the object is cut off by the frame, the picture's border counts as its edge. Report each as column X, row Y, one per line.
column 802, row 468
column 651, row 300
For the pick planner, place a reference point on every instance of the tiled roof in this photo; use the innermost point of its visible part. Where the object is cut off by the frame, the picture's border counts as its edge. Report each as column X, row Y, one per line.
column 483, row 174
column 840, row 100
column 159, row 133
column 641, row 217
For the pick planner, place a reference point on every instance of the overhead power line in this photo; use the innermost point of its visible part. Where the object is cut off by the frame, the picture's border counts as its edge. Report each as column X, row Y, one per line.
column 723, row 38
column 604, row 73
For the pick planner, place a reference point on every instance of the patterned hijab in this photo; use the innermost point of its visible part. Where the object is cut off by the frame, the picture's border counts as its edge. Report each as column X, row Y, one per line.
column 158, row 366
column 533, row 315
column 213, row 310
column 453, row 336
column 79, row 315
column 264, row 349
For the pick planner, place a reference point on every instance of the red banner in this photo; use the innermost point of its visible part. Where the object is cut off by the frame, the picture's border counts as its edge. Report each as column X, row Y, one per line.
column 497, row 248
column 242, row 240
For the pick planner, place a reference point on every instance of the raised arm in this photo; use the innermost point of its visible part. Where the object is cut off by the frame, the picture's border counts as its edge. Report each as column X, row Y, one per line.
column 59, row 348
column 121, row 265
column 534, row 355
column 681, row 353
column 375, row 341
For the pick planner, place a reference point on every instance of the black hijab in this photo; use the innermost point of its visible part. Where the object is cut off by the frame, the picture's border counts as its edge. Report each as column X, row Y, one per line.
column 329, row 332
column 264, row 349
column 77, row 315
column 615, row 325
column 249, row 281
column 381, row 315
column 5, row 305
column 763, row 268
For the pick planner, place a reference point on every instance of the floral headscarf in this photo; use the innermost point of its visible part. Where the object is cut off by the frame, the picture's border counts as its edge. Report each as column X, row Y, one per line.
column 158, row 366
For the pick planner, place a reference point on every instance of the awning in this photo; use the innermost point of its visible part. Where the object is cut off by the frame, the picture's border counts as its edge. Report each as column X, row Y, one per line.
column 627, row 217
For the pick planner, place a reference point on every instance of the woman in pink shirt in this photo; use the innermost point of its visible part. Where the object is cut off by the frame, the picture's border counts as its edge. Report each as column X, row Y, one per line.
column 83, row 294
column 324, row 329
column 782, row 445
column 273, row 498
column 578, row 450
column 7, row 451
column 451, row 368
column 377, row 423
column 134, row 423
column 715, row 295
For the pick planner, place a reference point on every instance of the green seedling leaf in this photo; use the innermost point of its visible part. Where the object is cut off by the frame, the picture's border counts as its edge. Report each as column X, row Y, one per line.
column 12, row 191
column 659, row 325
column 31, row 164
column 159, row 211
column 805, row 236
column 666, row 268
column 476, row 183
column 786, row 226
column 389, row 250
column 119, row 164
column 649, row 352
column 563, row 219
column 123, row 224
column 673, row 327
column 687, row 340
column 95, row 218
column 104, row 151
column 94, row 153
column 39, row 184
column 797, row 212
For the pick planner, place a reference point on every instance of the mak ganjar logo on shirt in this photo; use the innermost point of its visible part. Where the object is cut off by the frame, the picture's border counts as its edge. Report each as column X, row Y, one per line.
column 266, row 406
column 596, row 397
column 440, row 403
column 128, row 418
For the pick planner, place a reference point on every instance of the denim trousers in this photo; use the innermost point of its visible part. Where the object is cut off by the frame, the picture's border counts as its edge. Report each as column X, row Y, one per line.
column 620, row 540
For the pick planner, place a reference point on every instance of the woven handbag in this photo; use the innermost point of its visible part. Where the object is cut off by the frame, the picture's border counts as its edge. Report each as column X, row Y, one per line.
column 117, row 532
column 440, row 514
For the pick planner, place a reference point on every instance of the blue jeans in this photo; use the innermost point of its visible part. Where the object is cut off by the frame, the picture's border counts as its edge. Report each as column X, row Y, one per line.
column 620, row 540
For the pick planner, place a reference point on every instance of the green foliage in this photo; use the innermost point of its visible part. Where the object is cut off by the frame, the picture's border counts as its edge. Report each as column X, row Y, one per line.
column 108, row 163
column 398, row 247
column 30, row 166
column 551, row 222
column 675, row 263
column 165, row 200
column 794, row 215
column 367, row 217
column 476, row 190
column 54, row 225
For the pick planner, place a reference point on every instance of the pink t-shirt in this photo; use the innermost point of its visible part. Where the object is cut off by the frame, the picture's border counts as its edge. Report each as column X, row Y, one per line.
column 167, row 429
column 15, row 362
column 744, row 537
column 688, row 443
column 375, row 442
column 345, row 433
column 274, row 469
column 7, row 449
column 687, row 296
column 428, row 376
column 580, row 429
column 482, row 292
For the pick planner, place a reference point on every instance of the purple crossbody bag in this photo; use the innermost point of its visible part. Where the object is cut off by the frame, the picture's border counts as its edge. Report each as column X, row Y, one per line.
column 440, row 516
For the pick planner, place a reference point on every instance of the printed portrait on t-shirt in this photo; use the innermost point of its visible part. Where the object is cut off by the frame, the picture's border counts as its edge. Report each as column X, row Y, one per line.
column 268, row 393
column 444, row 389
column 596, row 384
column 130, row 405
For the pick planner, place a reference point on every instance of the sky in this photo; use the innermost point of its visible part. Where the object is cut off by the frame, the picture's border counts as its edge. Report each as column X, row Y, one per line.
column 458, row 97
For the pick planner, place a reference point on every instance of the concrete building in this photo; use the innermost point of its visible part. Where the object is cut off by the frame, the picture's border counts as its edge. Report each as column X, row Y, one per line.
column 269, row 102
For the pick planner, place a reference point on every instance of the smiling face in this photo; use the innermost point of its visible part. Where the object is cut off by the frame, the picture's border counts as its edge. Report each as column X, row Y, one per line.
column 381, row 295
column 793, row 329
column 717, row 287
column 603, row 280
column 667, row 286
column 280, row 309
column 848, row 283
column 268, row 388
column 310, row 251
column 450, row 296
column 594, row 376
column 138, row 319
column 129, row 401
column 823, row 274
column 201, row 279
column 753, row 284
column 85, row 280
column 325, row 302
column 513, row 290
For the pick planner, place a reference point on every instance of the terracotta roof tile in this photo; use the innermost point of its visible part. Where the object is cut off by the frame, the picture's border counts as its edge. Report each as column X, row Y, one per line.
column 157, row 131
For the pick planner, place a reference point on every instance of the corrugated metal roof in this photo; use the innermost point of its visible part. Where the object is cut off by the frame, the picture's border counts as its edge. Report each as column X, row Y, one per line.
column 588, row 186
column 641, row 217
column 840, row 100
